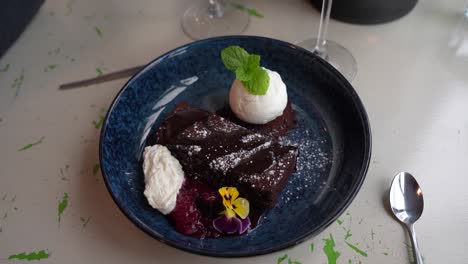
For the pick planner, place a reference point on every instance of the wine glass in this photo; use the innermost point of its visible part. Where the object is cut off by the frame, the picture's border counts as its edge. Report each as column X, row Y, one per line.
column 334, row 53
column 210, row 18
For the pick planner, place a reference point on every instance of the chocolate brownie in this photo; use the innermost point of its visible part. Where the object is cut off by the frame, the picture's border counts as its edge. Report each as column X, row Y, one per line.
column 277, row 127
column 221, row 153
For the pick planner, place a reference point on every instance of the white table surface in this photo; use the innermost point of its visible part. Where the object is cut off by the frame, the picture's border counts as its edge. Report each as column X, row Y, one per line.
column 414, row 87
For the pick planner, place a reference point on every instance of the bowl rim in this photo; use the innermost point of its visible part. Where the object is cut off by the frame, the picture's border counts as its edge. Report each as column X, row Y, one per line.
column 306, row 235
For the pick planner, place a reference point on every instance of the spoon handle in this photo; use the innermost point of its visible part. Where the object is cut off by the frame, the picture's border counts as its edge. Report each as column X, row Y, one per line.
column 416, row 254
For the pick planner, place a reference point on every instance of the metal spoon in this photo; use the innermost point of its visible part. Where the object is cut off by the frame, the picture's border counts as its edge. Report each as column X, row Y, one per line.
column 406, row 201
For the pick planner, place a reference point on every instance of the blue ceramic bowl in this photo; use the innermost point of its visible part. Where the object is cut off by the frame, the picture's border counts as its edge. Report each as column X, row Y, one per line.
column 333, row 137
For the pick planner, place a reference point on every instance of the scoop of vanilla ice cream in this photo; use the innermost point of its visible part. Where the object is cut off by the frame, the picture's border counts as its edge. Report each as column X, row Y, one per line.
column 259, row 109
column 163, row 178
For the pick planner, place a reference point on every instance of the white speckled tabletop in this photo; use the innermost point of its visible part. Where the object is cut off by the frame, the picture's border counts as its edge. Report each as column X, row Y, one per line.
column 412, row 77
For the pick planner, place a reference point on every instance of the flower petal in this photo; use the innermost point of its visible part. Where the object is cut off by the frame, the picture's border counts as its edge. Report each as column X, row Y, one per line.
column 233, row 192
column 227, row 225
column 229, row 194
column 241, row 207
column 229, row 213
column 245, row 225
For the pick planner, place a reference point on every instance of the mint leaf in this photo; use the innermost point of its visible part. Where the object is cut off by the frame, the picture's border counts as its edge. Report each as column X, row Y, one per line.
column 258, row 85
column 243, row 74
column 253, row 61
column 234, row 57
column 247, row 70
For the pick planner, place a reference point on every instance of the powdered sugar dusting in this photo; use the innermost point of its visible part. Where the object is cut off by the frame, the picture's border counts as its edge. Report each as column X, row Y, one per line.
column 217, row 124
column 274, row 174
column 314, row 159
column 197, row 131
column 252, row 137
column 191, row 149
column 226, row 162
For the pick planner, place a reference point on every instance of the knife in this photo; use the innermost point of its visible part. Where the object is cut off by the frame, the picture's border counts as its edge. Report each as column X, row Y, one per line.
column 103, row 78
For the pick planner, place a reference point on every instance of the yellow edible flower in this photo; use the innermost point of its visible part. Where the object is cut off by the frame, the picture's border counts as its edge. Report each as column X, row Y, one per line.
column 233, row 203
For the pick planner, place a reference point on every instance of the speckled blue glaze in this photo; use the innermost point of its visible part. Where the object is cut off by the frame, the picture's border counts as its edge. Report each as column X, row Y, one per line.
column 333, row 136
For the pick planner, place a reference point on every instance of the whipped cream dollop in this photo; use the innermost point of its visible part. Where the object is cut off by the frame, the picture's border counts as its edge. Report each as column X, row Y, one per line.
column 163, row 178
column 259, row 109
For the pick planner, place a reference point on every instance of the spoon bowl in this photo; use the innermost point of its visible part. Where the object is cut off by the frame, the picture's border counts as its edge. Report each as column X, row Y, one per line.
column 406, row 198
column 407, row 204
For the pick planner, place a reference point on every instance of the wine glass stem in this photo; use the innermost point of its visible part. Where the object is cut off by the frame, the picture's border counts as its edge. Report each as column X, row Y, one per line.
column 321, row 45
column 216, row 8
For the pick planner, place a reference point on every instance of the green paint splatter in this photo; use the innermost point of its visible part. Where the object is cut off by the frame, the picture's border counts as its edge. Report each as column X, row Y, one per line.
column 348, row 234
column 54, row 52
column 69, row 7
column 98, row 31
column 50, row 67
column 98, row 124
column 28, row 146
column 31, row 256
column 62, row 173
column 99, row 72
column 412, row 260
column 88, row 17
column 410, row 253
column 349, row 261
column 281, row 259
column 70, row 58
column 62, row 206
column 96, row 168
column 385, row 253
column 84, row 221
column 293, row 262
column 353, row 247
column 329, row 250
column 312, row 248
column 5, row 69
column 250, row 11
column 340, row 222
column 18, row 82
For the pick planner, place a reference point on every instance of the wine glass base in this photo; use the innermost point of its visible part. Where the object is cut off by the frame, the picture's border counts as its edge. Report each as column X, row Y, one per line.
column 198, row 23
column 337, row 55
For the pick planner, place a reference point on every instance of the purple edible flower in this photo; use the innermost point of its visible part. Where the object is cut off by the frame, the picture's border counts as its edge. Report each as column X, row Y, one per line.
column 232, row 225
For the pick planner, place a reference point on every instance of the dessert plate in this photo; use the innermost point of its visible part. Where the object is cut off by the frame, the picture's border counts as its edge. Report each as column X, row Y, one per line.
column 333, row 136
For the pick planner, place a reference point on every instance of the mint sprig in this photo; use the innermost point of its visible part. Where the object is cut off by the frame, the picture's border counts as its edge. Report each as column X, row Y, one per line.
column 247, row 69
column 233, row 57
